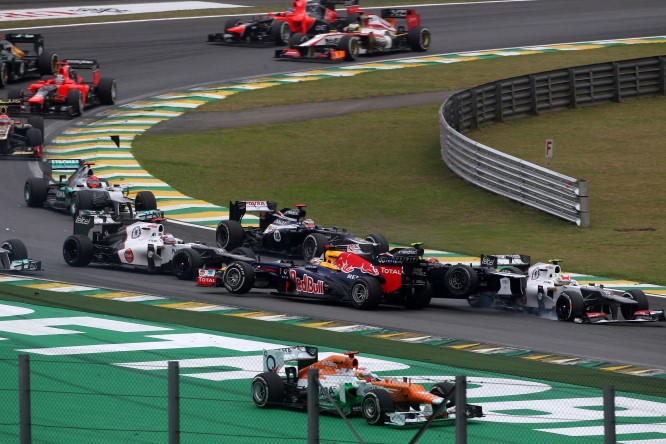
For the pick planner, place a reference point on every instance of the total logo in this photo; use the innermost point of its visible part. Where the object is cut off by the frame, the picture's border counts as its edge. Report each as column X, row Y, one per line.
column 129, row 256
column 307, row 284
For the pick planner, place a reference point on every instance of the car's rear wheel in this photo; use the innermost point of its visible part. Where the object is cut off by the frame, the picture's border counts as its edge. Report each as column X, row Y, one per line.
column 34, row 137
column 351, row 45
column 445, row 390
column 185, row 264
column 107, row 90
column 34, row 192
column 419, row 38
column 145, row 201
column 80, row 200
column 16, row 248
column 281, row 31
column 229, row 235
column 268, row 390
column 365, row 293
column 36, row 122
column 74, row 103
column 77, row 250
column 4, row 74
column 238, row 278
column 419, row 297
column 245, row 251
column 569, row 306
column 377, row 405
column 460, row 280
column 380, row 240
column 47, row 64
column 628, row 310
column 480, row 300
column 314, row 246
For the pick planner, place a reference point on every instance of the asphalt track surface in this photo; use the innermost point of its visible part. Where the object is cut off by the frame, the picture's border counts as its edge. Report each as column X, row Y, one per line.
column 153, row 57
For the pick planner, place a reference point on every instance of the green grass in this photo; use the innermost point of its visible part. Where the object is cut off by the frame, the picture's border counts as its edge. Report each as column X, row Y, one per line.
column 381, row 171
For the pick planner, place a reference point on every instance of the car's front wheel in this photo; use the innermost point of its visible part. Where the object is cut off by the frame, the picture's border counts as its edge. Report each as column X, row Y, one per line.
column 77, row 250
column 185, row 264
column 238, row 277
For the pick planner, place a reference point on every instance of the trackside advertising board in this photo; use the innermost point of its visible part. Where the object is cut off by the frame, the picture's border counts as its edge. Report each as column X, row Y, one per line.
column 103, row 379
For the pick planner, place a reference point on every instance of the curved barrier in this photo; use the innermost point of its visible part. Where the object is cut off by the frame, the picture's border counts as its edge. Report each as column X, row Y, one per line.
column 554, row 193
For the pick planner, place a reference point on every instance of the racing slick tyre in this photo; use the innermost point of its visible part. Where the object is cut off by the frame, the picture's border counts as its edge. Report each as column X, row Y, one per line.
column 351, row 19
column 419, row 39
column 16, row 249
column 34, row 137
column 107, row 90
column 14, row 94
column 380, row 240
column 569, row 306
column 81, row 200
column 313, row 246
column 37, row 122
column 445, row 390
column 35, row 191
column 377, row 405
column 628, row 310
column 268, row 390
column 419, row 298
column 74, row 103
column 231, row 23
column 297, row 38
column 185, row 264
column 4, row 74
column 351, row 45
column 479, row 300
column 460, row 280
column 245, row 251
column 281, row 31
column 229, row 235
column 365, row 293
column 47, row 64
column 145, row 200
column 77, row 250
column 238, row 278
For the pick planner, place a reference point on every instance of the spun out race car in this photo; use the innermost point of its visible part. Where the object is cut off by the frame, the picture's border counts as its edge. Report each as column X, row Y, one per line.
column 82, row 190
column 143, row 245
column 68, row 93
column 341, row 276
column 287, row 233
column 18, row 137
column 305, row 17
column 28, row 60
column 347, row 388
column 14, row 257
column 371, row 35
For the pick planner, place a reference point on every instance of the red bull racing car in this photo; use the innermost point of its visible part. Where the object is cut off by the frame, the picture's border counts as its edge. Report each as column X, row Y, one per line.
column 370, row 34
column 288, row 233
column 69, row 92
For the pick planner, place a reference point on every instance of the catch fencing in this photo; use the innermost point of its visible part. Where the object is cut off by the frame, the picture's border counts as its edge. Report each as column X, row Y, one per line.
column 549, row 191
column 66, row 400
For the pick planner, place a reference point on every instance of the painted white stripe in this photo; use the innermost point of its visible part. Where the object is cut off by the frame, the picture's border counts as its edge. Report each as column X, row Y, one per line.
column 211, row 308
column 71, row 288
column 137, row 298
column 10, row 278
column 187, row 206
column 619, row 429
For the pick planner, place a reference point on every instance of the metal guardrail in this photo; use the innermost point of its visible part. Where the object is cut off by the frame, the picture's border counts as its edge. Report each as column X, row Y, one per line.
column 554, row 193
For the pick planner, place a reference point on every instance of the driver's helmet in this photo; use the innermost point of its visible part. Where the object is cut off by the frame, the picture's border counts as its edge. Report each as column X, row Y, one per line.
column 93, row 182
column 169, row 239
column 291, row 213
column 5, row 120
column 308, row 223
column 60, row 79
column 354, row 27
column 72, row 74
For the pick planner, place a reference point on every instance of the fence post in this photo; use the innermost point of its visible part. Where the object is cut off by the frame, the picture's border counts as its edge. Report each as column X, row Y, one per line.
column 313, row 406
column 609, row 414
column 461, row 410
column 174, row 403
column 24, row 399
column 584, row 203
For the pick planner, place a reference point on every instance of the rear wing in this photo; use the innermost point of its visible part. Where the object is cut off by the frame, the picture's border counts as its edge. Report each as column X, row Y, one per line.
column 275, row 359
column 392, row 15
column 60, row 166
column 86, row 220
column 82, row 63
column 37, row 40
column 330, row 4
column 238, row 209
column 520, row 261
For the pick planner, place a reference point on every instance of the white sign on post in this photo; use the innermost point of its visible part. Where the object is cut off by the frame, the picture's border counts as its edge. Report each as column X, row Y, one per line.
column 549, row 151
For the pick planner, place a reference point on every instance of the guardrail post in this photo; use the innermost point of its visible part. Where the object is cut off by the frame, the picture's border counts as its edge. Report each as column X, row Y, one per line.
column 573, row 99
column 461, row 410
column 174, row 403
column 583, row 203
column 499, row 108
column 475, row 109
column 609, row 414
column 616, row 83
column 662, row 74
column 313, row 406
column 25, row 414
column 533, row 95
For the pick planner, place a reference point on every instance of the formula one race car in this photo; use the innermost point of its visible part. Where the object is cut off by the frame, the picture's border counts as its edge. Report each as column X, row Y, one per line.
column 85, row 191
column 346, row 388
column 287, row 233
column 145, row 245
column 371, row 35
column 14, row 257
column 68, row 93
column 550, row 290
column 305, row 17
column 341, row 276
column 28, row 60
column 17, row 137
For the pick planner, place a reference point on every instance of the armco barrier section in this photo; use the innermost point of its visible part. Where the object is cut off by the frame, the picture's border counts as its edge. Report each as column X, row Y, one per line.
column 554, row 193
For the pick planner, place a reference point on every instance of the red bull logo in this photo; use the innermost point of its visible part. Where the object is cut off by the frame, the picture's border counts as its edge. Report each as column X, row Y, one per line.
column 307, row 284
column 349, row 262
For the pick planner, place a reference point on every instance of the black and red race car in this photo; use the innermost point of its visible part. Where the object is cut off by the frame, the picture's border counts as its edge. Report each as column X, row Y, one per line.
column 22, row 56
column 69, row 92
column 18, row 137
column 304, row 17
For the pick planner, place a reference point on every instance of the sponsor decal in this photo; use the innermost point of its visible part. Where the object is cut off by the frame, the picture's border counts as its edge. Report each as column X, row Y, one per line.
column 535, row 274
column 129, row 255
column 353, row 247
column 277, row 236
column 136, row 232
column 206, row 281
column 348, row 262
column 83, row 220
column 307, row 284
column 390, row 270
